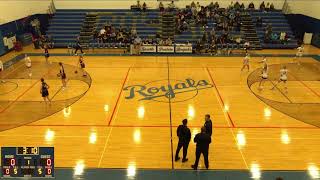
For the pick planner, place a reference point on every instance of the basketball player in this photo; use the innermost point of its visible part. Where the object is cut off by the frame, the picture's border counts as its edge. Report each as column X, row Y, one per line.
column 246, row 46
column 246, row 62
column 1, row 69
column 28, row 64
column 63, row 75
column 78, row 46
column 264, row 75
column 44, row 91
column 264, row 60
column 46, row 52
column 1, row 66
column 82, row 66
column 299, row 54
column 283, row 78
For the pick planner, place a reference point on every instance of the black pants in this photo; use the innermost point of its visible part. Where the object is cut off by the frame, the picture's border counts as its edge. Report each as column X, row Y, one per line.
column 205, row 155
column 77, row 48
column 185, row 149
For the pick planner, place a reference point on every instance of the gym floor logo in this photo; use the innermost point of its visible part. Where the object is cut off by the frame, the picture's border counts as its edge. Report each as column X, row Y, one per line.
column 162, row 91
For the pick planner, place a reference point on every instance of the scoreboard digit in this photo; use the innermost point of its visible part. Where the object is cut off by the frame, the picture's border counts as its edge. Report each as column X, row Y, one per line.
column 27, row 162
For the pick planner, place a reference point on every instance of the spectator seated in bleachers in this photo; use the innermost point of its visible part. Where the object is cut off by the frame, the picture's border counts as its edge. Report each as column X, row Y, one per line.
column 148, row 41
column 121, row 29
column 133, row 31
column 102, row 34
column 259, row 22
column 212, row 49
column 107, row 25
column 237, row 6
column 267, row 7
column 269, row 28
column 161, row 42
column 242, row 7
column 137, row 6
column 225, row 21
column 198, row 7
column 216, row 5
column 211, row 6
column 192, row 4
column 283, row 38
column 111, row 35
column 161, row 7
column 267, row 38
column 120, row 36
column 213, row 34
column 272, row 7
column 184, row 26
column 96, row 35
column 251, row 6
column 181, row 23
column 199, row 47
column 262, row 6
column 231, row 5
column 204, row 38
column 274, row 38
column 225, row 38
column 171, row 6
column 144, row 7
column 168, row 42
column 268, row 33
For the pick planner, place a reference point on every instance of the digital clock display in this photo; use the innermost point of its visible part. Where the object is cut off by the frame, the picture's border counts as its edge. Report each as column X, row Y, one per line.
column 27, row 162
column 27, row 150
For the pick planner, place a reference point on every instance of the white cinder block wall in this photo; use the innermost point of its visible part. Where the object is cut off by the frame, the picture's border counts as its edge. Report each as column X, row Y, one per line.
column 11, row 10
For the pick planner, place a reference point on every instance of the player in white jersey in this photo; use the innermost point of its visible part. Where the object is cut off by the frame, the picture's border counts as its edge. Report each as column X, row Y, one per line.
column 283, row 77
column 1, row 66
column 27, row 62
column 264, row 75
column 264, row 60
column 299, row 54
column 1, row 69
column 246, row 60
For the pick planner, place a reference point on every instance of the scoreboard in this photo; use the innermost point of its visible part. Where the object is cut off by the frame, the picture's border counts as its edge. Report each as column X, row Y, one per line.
column 27, row 162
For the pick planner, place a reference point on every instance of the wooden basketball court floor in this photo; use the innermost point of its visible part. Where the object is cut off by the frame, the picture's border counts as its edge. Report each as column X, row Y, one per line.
column 115, row 126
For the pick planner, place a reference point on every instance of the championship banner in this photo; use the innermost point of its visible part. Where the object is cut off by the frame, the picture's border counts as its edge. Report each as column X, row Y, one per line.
column 183, row 49
column 166, row 49
column 149, row 49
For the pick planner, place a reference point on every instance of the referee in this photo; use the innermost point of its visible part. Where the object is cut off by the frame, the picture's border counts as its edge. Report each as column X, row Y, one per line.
column 184, row 134
column 202, row 140
column 208, row 124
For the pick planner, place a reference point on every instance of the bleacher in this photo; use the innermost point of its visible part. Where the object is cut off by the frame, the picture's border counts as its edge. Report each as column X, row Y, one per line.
column 128, row 19
column 279, row 24
column 196, row 32
column 67, row 24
